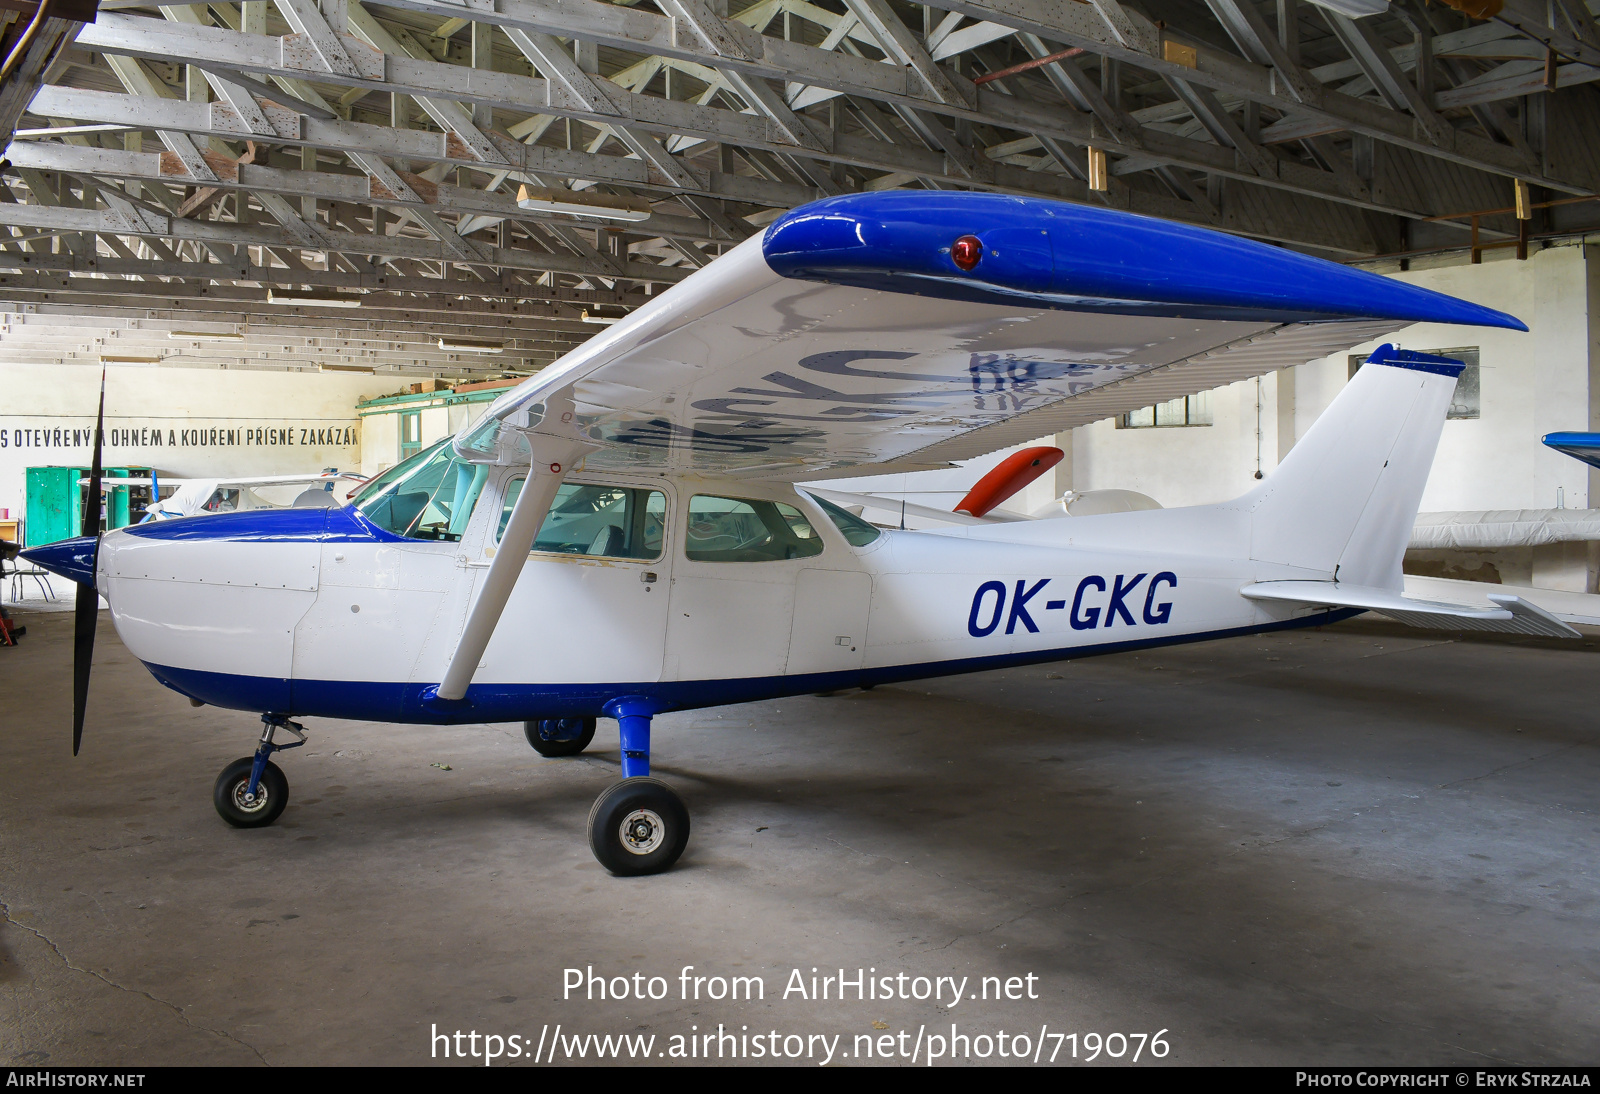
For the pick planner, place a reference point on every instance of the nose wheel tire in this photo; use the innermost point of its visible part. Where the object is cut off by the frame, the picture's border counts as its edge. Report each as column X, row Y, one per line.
column 638, row 826
column 242, row 810
column 559, row 736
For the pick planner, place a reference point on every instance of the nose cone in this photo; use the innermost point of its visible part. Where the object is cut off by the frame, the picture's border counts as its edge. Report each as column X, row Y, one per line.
column 72, row 559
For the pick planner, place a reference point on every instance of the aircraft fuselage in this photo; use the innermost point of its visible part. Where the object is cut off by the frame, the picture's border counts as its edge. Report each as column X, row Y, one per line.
column 323, row 613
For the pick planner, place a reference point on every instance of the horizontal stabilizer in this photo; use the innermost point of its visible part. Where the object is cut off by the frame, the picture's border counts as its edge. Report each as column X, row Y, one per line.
column 1514, row 615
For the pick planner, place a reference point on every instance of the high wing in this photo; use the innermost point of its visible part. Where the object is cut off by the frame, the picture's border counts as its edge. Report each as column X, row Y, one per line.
column 849, row 334
column 846, row 334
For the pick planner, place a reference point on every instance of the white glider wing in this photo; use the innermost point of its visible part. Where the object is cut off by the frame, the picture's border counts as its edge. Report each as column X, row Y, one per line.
column 846, row 334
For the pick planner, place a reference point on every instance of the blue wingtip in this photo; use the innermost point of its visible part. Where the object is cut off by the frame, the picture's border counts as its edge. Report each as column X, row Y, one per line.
column 1053, row 254
column 72, row 559
column 1580, row 446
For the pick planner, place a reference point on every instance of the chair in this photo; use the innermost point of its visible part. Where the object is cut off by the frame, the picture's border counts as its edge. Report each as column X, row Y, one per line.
column 17, row 573
column 40, row 578
column 608, row 541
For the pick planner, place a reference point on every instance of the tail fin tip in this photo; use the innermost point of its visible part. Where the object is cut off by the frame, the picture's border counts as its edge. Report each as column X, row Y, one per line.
column 1415, row 360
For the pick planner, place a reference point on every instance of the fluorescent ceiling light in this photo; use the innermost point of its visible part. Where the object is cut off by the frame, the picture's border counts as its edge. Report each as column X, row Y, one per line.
column 205, row 336
column 122, row 359
column 604, row 314
column 318, row 299
column 472, row 345
column 64, row 130
column 541, row 199
column 1354, row 9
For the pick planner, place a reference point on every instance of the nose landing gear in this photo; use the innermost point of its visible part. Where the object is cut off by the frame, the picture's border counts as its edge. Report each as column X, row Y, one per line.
column 251, row 792
column 639, row 825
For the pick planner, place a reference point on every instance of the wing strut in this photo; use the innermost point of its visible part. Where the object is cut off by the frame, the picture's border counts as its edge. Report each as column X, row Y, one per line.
column 552, row 459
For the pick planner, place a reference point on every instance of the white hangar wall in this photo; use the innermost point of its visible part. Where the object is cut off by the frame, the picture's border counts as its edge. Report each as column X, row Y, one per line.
column 211, row 422
column 1531, row 384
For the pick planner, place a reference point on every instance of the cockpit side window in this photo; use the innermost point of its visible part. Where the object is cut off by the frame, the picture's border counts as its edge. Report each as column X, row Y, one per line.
column 598, row 521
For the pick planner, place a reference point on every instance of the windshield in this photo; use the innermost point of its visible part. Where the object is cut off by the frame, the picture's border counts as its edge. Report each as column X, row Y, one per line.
column 429, row 496
column 387, row 478
column 222, row 500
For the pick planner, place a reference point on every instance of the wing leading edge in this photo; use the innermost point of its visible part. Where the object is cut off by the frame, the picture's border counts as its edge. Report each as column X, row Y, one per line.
column 847, row 335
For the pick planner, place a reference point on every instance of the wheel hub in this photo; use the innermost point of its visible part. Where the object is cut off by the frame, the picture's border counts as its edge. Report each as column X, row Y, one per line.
column 560, row 730
column 642, row 831
column 250, row 803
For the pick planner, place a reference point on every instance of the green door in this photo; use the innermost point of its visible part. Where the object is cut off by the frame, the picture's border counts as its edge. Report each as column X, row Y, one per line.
column 54, row 511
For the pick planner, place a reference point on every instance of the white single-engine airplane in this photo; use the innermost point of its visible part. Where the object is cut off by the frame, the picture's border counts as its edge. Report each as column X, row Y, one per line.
column 619, row 537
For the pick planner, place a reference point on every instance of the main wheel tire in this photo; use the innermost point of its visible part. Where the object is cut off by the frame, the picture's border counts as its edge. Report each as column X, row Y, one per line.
column 535, row 732
column 272, row 794
column 638, row 826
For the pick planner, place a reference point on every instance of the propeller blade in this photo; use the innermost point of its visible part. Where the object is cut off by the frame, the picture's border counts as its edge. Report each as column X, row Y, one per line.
column 86, row 613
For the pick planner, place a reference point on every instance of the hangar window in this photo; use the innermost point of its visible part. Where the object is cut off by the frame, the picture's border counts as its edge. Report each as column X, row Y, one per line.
column 746, row 530
column 600, row 521
column 1193, row 410
column 856, row 531
column 410, row 433
column 1467, row 402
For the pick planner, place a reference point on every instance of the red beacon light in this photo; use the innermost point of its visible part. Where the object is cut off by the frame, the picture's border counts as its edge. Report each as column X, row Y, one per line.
column 966, row 251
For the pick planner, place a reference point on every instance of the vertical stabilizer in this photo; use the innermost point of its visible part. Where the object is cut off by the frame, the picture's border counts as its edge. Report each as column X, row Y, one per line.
column 1344, row 500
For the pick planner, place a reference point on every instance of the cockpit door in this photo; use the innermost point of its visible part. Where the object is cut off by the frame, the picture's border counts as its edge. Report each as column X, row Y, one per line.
column 590, row 606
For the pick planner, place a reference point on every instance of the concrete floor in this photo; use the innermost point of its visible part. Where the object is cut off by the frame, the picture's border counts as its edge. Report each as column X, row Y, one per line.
column 1357, row 845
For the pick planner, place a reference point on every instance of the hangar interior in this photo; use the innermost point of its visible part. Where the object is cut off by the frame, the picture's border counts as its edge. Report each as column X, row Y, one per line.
column 302, row 235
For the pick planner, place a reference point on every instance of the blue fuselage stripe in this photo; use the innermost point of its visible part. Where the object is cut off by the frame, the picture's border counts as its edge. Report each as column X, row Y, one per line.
column 384, row 701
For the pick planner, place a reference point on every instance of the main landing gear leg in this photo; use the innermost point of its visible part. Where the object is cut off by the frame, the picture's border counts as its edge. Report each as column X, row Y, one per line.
column 251, row 793
column 639, row 825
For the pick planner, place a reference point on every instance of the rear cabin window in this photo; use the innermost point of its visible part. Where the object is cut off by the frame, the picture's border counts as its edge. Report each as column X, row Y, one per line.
column 747, row 530
column 857, row 531
column 597, row 521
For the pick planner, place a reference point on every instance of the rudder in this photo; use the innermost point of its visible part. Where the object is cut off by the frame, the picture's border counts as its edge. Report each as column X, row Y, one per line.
column 1345, row 499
